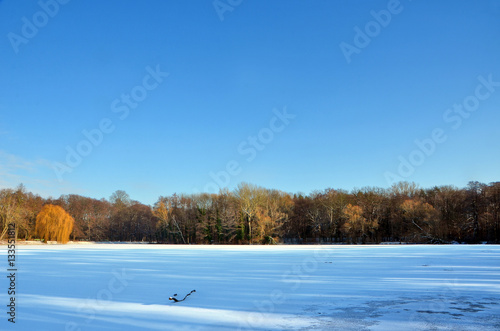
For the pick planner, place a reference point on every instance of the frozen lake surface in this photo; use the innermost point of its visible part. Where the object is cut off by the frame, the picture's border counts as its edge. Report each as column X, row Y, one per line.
column 126, row 287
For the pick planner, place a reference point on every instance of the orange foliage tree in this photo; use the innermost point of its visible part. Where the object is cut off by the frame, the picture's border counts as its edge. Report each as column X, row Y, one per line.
column 54, row 223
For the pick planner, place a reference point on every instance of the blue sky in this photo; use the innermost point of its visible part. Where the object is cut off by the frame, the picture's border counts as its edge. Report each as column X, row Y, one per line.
column 222, row 76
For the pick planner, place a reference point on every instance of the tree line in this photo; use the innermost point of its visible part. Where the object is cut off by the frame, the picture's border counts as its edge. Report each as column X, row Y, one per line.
column 252, row 214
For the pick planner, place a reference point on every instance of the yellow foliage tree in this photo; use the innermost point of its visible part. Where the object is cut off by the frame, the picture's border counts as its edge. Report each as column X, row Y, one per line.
column 164, row 213
column 356, row 224
column 422, row 215
column 54, row 223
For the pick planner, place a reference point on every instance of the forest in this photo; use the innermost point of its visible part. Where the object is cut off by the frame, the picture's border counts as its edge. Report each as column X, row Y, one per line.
column 251, row 214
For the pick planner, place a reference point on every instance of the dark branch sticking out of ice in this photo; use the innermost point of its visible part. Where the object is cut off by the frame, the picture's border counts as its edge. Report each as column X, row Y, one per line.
column 177, row 300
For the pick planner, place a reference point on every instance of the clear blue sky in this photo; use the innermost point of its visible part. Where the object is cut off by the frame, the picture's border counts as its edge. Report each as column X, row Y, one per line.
column 356, row 116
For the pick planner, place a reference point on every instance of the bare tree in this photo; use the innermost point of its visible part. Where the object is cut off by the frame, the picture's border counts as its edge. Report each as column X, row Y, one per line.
column 250, row 197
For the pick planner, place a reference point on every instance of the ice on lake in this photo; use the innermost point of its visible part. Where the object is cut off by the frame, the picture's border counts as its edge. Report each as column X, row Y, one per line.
column 126, row 287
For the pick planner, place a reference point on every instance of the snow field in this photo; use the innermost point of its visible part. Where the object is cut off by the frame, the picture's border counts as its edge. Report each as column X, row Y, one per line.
column 126, row 287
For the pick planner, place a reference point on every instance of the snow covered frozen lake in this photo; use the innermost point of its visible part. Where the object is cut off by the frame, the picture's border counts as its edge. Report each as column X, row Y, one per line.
column 126, row 287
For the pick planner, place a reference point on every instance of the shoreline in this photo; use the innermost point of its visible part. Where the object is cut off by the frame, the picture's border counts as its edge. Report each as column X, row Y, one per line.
column 31, row 243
